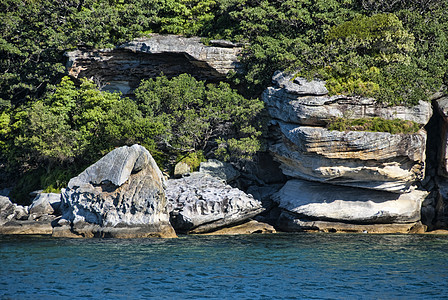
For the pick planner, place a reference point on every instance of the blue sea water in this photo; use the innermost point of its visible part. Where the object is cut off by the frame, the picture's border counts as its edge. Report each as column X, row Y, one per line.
column 278, row 266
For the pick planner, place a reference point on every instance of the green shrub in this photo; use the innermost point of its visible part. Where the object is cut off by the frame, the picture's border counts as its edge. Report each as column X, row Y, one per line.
column 373, row 124
column 198, row 116
column 192, row 159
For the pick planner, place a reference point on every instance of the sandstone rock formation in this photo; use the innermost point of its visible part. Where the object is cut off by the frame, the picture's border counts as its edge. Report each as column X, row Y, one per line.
column 45, row 204
column 201, row 203
column 221, row 170
column 292, row 223
column 295, row 101
column 349, row 181
column 374, row 160
column 123, row 67
column 317, row 201
column 250, row 227
column 15, row 219
column 121, row 196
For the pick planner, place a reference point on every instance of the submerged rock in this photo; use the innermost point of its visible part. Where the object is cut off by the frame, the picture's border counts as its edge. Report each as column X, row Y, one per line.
column 121, row 196
column 250, row 227
column 292, row 223
column 201, row 203
column 317, row 201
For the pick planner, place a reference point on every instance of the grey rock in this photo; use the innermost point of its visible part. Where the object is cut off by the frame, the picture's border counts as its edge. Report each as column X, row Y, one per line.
column 224, row 43
column 45, row 204
column 374, row 160
column 264, row 194
column 123, row 67
column 298, row 86
column 249, row 227
column 11, row 211
column 201, row 203
column 181, row 168
column 121, row 195
column 282, row 104
column 292, row 223
column 218, row 169
column 317, row 201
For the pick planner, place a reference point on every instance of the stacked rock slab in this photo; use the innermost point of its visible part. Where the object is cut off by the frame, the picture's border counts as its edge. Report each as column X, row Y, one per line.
column 121, row 195
column 202, row 203
column 375, row 167
column 122, row 68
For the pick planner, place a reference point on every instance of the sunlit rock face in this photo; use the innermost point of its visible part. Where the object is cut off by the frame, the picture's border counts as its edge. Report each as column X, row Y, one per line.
column 121, row 195
column 295, row 100
column 352, row 181
column 122, row 68
column 317, row 201
column 202, row 203
column 307, row 150
column 374, row 160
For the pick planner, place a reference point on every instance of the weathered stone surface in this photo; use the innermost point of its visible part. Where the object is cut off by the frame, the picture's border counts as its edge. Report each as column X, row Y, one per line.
column 201, row 203
column 45, row 204
column 181, row 169
column 264, row 194
column 298, row 85
column 121, row 195
column 316, row 201
column 125, row 66
column 10, row 211
column 14, row 219
column 219, row 169
column 375, row 160
column 442, row 108
column 296, row 103
column 292, row 223
column 250, row 227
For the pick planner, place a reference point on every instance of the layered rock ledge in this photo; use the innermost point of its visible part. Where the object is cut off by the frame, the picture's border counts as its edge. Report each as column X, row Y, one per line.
column 373, row 160
column 349, row 181
column 122, row 68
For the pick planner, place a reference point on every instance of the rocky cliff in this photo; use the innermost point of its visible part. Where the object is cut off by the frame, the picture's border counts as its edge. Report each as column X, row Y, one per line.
column 122, row 68
column 374, row 167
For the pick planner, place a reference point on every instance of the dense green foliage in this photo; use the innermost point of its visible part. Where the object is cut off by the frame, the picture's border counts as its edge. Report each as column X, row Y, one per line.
column 74, row 126
column 374, row 125
column 395, row 51
column 195, row 114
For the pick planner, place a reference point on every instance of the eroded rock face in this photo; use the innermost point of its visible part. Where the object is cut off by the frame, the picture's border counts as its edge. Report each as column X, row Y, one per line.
column 324, row 202
column 221, row 170
column 375, row 160
column 307, row 150
column 442, row 107
column 121, row 195
column 201, row 203
column 292, row 223
column 125, row 66
column 307, row 103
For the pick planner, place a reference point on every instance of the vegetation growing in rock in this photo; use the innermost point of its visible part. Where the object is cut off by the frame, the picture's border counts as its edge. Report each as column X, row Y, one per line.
column 374, row 125
column 394, row 51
